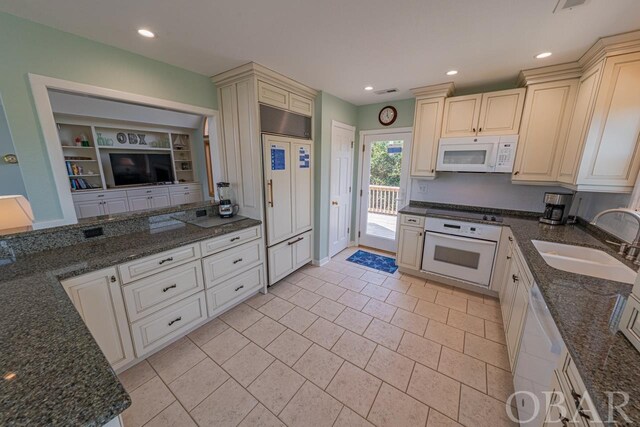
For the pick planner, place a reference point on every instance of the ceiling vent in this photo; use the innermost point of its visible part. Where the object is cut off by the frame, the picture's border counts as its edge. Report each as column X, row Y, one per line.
column 568, row 5
column 385, row 91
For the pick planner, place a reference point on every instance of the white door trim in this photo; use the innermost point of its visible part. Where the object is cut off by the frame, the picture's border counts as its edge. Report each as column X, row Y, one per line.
column 344, row 126
column 363, row 134
column 39, row 90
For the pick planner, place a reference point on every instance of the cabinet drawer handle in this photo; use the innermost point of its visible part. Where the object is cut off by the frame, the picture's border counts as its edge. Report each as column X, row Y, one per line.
column 480, row 130
column 411, row 220
column 295, row 241
column 239, row 287
column 508, row 257
column 510, row 239
column 514, row 278
column 577, row 398
column 100, row 195
column 175, row 320
column 473, row 129
column 516, row 173
column 166, row 260
column 237, row 261
column 234, row 239
column 565, row 422
column 175, row 285
column 113, row 279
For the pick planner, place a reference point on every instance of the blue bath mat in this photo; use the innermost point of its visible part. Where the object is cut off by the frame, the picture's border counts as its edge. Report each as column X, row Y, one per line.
column 379, row 262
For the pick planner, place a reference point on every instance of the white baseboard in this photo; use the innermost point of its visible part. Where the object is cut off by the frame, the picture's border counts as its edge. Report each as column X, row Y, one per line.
column 320, row 262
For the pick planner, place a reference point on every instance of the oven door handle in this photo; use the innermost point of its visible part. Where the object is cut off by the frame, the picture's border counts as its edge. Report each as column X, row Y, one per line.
column 460, row 239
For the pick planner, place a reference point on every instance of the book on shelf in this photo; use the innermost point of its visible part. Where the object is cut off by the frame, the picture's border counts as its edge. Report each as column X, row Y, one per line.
column 81, row 184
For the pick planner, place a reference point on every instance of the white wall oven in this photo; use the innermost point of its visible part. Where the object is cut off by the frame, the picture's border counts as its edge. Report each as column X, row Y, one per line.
column 460, row 250
column 477, row 154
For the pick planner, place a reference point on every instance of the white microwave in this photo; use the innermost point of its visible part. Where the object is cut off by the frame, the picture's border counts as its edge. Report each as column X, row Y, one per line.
column 477, row 154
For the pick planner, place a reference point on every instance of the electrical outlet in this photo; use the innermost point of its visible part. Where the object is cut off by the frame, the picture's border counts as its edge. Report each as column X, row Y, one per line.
column 93, row 232
column 422, row 187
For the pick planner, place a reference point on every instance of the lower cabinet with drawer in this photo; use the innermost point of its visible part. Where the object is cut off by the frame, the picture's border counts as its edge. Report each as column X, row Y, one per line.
column 288, row 256
column 226, row 294
column 227, row 264
column 165, row 325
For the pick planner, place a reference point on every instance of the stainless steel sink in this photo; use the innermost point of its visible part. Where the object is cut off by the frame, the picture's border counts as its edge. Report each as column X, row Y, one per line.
column 587, row 261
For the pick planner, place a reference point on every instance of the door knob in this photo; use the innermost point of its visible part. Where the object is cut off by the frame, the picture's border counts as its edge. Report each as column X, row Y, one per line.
column 333, row 202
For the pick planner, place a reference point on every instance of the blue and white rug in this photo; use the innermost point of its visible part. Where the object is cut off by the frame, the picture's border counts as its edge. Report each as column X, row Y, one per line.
column 379, row 262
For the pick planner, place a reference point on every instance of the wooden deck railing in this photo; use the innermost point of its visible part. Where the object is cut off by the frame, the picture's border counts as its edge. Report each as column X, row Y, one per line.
column 383, row 199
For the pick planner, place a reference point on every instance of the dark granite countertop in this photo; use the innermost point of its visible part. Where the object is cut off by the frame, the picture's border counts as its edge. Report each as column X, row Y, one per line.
column 54, row 372
column 585, row 309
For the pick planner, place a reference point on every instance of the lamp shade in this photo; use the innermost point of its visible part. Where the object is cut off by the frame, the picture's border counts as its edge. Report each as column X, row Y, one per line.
column 15, row 213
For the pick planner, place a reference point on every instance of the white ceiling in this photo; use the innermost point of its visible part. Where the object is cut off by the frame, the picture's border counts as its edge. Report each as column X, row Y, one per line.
column 340, row 46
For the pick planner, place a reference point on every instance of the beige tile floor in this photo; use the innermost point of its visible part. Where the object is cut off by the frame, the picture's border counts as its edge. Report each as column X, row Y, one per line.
column 337, row 345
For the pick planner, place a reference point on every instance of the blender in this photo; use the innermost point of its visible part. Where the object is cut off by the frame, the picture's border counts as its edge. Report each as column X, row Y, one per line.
column 226, row 208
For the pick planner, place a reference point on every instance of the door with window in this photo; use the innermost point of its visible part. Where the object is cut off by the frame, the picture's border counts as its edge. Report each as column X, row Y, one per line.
column 385, row 170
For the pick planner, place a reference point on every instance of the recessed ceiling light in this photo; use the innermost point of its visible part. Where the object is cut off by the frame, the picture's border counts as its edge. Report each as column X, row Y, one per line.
column 368, row 88
column 452, row 72
column 146, row 33
column 543, row 55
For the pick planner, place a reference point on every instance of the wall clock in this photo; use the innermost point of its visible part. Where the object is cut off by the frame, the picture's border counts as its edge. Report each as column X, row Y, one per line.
column 387, row 115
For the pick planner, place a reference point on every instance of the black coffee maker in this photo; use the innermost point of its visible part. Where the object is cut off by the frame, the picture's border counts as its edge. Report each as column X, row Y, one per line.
column 556, row 209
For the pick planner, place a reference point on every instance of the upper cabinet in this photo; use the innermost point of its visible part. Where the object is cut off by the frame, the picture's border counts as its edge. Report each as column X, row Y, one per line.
column 281, row 98
column 545, row 123
column 605, row 142
column 427, row 126
column 491, row 113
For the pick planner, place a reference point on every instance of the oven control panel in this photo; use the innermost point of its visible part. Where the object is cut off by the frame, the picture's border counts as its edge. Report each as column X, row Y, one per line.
column 463, row 229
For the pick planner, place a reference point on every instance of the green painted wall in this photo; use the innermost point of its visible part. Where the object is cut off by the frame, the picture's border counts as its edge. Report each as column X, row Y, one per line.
column 327, row 108
column 28, row 47
column 368, row 120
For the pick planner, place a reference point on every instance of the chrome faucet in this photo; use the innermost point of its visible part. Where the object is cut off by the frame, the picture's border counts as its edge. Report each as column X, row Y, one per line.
column 630, row 251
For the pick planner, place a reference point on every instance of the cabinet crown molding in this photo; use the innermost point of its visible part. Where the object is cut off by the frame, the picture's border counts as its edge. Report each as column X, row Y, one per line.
column 618, row 44
column 442, row 90
column 552, row 73
column 253, row 69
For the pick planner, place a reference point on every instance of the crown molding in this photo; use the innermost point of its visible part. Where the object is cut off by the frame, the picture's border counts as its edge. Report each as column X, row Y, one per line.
column 618, row 44
column 253, row 69
column 442, row 90
column 570, row 70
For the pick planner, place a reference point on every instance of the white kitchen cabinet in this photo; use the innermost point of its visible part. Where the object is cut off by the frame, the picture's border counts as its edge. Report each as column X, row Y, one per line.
column 558, row 414
column 98, row 299
column 273, row 95
column 231, row 291
column 88, row 209
column 461, row 114
column 190, row 196
column 288, row 256
column 426, row 133
column 154, row 198
column 500, row 112
column 490, row 113
column 98, row 203
column 115, row 206
column 300, row 104
column 503, row 261
column 602, row 152
column 410, row 244
column 545, row 123
column 516, row 320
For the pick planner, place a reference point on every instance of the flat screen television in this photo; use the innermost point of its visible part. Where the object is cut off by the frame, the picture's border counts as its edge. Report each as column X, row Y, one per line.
column 141, row 168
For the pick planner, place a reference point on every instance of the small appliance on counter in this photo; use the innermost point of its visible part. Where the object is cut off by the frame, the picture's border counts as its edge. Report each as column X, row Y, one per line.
column 226, row 207
column 556, row 209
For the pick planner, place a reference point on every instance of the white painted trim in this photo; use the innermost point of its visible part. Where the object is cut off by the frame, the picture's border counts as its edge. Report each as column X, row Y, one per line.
column 634, row 201
column 320, row 262
column 39, row 89
column 363, row 134
column 352, row 129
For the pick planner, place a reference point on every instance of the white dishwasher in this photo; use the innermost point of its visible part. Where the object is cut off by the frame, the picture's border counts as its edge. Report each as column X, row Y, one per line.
column 539, row 355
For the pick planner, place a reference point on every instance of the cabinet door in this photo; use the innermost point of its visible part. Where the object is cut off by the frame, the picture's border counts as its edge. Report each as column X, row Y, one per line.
column 500, row 112
column 279, row 207
column 461, row 114
column 516, row 321
column 139, row 203
column 160, row 201
column 115, row 206
column 194, row 196
column 89, row 209
column 302, row 250
column 301, row 193
column 547, row 115
column 572, row 153
column 611, row 149
column 509, row 290
column 98, row 299
column 426, row 133
column 410, row 244
column 272, row 95
column 558, row 414
column 179, row 198
column 281, row 261
column 300, row 104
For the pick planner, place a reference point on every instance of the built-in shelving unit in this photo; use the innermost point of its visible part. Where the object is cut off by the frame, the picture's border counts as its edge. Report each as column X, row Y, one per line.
column 86, row 146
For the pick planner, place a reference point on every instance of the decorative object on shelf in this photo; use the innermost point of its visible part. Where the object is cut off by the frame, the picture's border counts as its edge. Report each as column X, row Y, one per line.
column 121, row 138
column 180, row 143
column 11, row 159
column 185, row 166
column 133, row 138
column 387, row 115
